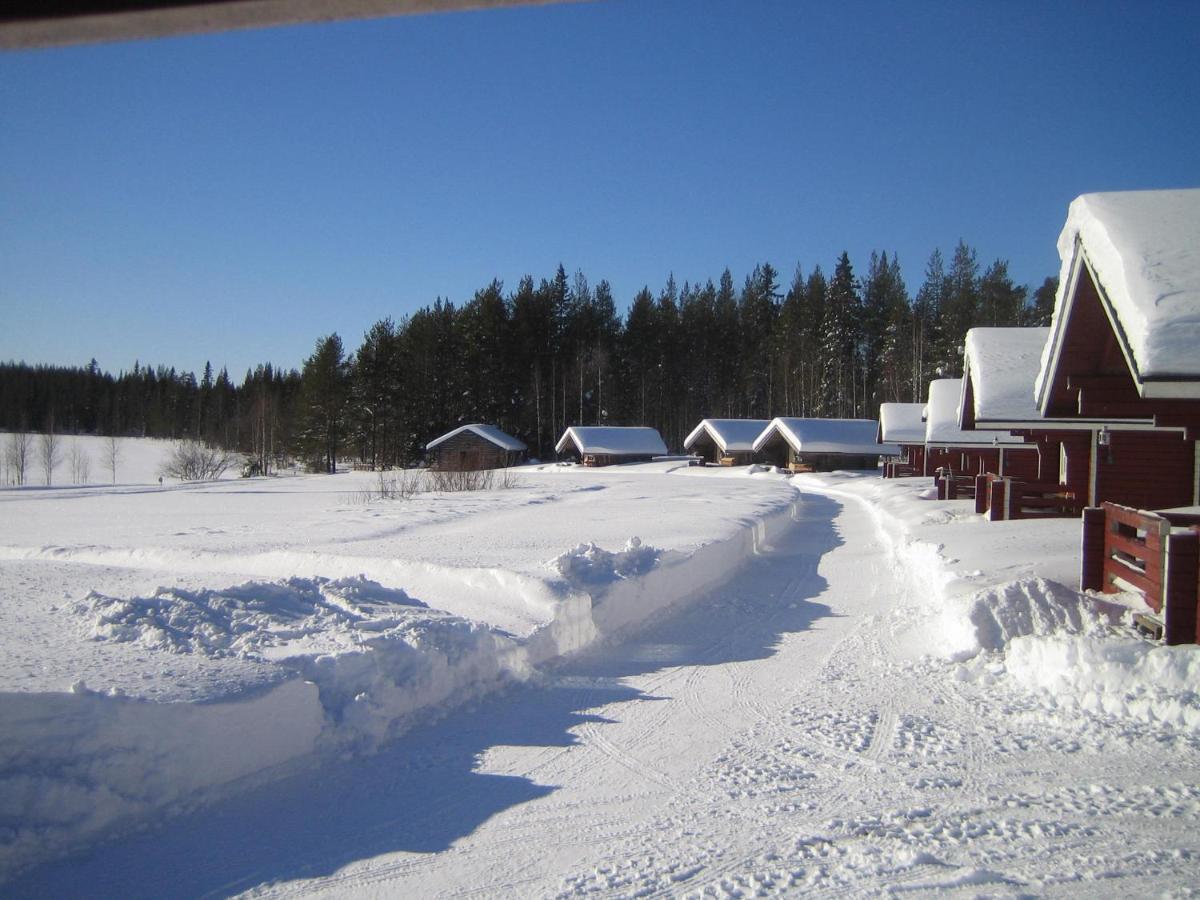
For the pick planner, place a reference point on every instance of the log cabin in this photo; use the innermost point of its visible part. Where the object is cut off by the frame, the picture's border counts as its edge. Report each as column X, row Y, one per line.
column 950, row 448
column 999, row 368
column 728, row 442
column 822, row 445
column 606, row 445
column 475, row 446
column 903, row 424
column 1119, row 382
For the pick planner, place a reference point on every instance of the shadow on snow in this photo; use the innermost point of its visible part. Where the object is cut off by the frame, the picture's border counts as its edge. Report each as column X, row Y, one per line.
column 422, row 793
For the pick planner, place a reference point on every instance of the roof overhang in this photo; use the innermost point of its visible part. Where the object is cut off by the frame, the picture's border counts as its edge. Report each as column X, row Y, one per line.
column 1165, row 387
column 33, row 24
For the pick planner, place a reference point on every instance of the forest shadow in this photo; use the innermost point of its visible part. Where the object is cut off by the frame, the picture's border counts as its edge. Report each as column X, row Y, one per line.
column 424, row 792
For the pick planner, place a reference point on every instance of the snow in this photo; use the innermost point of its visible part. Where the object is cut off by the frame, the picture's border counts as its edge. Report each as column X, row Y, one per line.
column 941, row 418
column 731, row 435
column 849, row 436
column 1002, row 364
column 902, row 423
column 138, row 461
column 488, row 432
column 772, row 685
column 1145, row 249
column 613, row 440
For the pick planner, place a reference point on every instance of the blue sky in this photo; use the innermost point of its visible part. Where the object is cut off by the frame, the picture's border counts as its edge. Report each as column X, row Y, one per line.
column 235, row 197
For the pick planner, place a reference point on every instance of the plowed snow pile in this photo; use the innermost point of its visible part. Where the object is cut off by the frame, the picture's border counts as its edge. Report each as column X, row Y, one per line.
column 164, row 643
column 998, row 597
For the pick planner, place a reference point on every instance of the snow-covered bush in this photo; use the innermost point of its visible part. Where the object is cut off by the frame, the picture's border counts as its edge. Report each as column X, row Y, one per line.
column 196, row 461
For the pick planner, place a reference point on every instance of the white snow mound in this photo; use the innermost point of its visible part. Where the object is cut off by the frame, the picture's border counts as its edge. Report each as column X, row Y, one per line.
column 245, row 619
column 1030, row 606
column 588, row 564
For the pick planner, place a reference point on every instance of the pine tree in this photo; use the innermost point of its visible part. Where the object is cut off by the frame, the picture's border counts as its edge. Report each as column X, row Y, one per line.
column 325, row 382
column 1001, row 301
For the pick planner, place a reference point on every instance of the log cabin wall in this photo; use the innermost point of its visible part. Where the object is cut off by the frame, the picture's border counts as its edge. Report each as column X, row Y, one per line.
column 1022, row 463
column 1076, row 474
column 467, row 451
column 1146, row 470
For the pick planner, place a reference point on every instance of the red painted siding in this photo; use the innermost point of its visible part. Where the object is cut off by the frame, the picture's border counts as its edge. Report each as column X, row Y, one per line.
column 1146, row 470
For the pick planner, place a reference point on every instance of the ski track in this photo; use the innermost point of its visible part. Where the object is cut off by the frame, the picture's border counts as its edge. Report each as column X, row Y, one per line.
column 772, row 740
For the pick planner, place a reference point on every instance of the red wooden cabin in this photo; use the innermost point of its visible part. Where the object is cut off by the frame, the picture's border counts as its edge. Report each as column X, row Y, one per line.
column 1119, row 383
column 903, row 425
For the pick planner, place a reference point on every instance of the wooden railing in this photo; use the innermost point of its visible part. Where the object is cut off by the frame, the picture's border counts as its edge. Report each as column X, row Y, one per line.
column 953, row 487
column 1129, row 549
column 1010, row 498
column 900, row 470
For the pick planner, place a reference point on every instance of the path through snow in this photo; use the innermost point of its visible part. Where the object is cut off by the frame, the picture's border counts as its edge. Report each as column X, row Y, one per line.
column 772, row 738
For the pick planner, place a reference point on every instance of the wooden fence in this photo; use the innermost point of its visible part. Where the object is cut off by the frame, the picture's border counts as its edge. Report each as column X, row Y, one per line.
column 1154, row 553
column 1011, row 498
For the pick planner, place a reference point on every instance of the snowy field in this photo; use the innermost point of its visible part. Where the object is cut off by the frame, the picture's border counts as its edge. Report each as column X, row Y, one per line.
column 651, row 680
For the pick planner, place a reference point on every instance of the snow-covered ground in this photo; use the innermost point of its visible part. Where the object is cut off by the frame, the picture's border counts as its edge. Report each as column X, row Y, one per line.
column 650, row 680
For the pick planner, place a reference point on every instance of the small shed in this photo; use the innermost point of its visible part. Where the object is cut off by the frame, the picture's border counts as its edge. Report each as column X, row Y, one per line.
column 903, row 424
column 605, row 445
column 822, row 445
column 1119, row 381
column 728, row 442
column 475, row 447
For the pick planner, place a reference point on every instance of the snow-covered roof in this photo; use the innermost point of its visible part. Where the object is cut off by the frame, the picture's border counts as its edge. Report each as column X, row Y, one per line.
column 1144, row 248
column 613, row 440
column 488, row 432
column 941, row 418
column 850, row 436
column 902, row 423
column 1002, row 364
column 731, row 435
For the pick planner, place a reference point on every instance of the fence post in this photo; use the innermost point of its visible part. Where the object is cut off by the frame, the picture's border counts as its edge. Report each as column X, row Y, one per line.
column 981, row 493
column 940, row 481
column 1179, row 590
column 997, row 499
column 1091, row 577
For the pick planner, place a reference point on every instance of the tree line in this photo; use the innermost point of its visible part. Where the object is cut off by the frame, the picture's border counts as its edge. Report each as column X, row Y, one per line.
column 557, row 352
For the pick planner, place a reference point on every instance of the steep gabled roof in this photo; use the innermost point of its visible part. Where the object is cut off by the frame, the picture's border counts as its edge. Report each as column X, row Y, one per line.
column 731, row 435
column 611, row 440
column 853, row 437
column 488, row 432
column 941, row 418
column 1142, row 251
column 901, row 423
column 1000, row 367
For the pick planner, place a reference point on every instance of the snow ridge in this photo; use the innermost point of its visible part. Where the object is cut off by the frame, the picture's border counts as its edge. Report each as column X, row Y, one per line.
column 1069, row 649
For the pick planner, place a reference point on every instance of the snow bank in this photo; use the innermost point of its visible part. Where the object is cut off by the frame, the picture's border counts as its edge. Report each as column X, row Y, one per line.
column 314, row 664
column 74, row 765
column 588, row 564
column 972, row 595
column 354, row 662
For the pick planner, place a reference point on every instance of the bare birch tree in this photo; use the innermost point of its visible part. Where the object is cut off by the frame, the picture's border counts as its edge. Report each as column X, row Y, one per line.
column 17, row 452
column 80, row 463
column 112, row 455
column 50, row 452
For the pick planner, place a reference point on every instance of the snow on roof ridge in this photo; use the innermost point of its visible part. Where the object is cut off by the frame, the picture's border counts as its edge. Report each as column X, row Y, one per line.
column 1003, row 364
column 810, row 435
column 1144, row 247
column 728, row 434
column 902, row 423
column 633, row 440
column 941, row 421
column 501, row 439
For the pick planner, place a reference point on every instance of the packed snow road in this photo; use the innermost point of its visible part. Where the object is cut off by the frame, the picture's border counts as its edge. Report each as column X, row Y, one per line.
column 774, row 737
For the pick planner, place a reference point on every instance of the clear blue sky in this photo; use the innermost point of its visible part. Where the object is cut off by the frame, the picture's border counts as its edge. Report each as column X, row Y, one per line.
column 234, row 197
